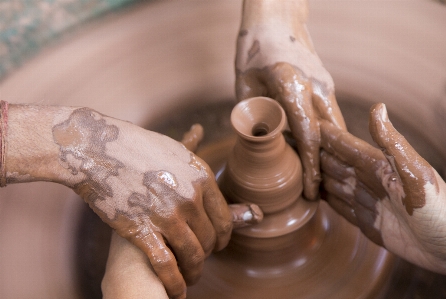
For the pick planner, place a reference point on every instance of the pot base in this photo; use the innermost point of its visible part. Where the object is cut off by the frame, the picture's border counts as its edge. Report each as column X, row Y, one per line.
column 329, row 259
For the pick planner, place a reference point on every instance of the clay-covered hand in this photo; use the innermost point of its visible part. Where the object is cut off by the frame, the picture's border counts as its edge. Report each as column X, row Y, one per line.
column 150, row 189
column 276, row 58
column 394, row 196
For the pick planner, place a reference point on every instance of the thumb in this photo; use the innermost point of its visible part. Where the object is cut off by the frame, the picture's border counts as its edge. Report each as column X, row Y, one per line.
column 245, row 214
column 248, row 84
column 414, row 172
column 193, row 137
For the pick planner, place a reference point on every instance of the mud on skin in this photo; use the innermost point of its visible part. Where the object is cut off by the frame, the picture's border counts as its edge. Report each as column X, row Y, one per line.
column 394, row 196
column 148, row 187
column 276, row 58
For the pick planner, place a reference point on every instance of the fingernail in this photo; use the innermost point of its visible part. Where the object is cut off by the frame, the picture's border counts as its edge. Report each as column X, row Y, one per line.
column 379, row 122
column 382, row 110
column 379, row 113
column 244, row 215
column 256, row 214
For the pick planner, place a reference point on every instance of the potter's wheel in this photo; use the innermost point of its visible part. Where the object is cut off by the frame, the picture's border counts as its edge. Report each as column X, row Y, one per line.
column 406, row 280
column 391, row 51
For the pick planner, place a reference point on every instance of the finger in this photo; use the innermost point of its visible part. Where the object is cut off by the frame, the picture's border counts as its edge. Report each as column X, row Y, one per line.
column 245, row 214
column 359, row 208
column 188, row 251
column 413, row 170
column 163, row 262
column 203, row 229
column 366, row 214
column 327, row 107
column 218, row 212
column 293, row 92
column 352, row 192
column 192, row 138
column 342, row 209
column 348, row 148
column 248, row 84
column 369, row 162
column 342, row 190
column 334, row 167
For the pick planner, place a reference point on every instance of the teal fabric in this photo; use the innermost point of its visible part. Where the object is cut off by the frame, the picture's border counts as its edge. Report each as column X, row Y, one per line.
column 26, row 26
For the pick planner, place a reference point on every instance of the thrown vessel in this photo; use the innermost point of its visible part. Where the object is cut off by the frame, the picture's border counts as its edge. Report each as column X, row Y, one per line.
column 262, row 168
column 301, row 249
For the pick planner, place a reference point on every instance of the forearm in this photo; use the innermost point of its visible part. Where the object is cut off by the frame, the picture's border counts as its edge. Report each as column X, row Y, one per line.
column 292, row 12
column 31, row 153
column 276, row 31
column 129, row 273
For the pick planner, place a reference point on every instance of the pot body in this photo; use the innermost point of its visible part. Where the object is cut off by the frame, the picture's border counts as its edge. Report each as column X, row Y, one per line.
column 262, row 168
column 144, row 62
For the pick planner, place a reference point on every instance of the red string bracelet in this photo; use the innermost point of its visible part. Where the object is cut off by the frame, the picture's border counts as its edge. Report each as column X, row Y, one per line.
column 3, row 132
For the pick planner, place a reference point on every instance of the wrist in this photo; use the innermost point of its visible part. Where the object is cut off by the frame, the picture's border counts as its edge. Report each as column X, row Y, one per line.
column 31, row 153
column 273, row 31
column 259, row 13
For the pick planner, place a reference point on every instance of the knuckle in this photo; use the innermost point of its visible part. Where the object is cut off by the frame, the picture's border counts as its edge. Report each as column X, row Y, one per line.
column 195, row 265
column 176, row 289
column 283, row 66
column 225, row 229
column 196, row 261
column 163, row 263
column 193, row 268
column 193, row 255
column 209, row 244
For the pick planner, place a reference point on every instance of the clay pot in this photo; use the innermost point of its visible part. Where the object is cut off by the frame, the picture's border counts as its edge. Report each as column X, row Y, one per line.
column 262, row 168
column 171, row 54
column 300, row 245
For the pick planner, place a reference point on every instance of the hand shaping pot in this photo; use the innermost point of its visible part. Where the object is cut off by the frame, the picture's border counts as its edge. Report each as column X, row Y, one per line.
column 151, row 57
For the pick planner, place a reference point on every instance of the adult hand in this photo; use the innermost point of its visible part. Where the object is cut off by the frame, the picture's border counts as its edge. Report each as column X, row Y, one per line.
column 276, row 58
column 150, row 189
column 394, row 196
column 129, row 273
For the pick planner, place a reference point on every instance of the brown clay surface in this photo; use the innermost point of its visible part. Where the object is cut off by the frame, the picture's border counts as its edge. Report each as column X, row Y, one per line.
column 41, row 216
column 262, row 168
column 326, row 258
column 300, row 250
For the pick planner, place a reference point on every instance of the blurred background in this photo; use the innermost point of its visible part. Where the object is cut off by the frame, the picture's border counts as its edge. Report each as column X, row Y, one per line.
column 167, row 64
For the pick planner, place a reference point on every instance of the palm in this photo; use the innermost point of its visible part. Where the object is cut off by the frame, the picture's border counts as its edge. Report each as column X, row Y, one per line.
column 417, row 238
column 394, row 196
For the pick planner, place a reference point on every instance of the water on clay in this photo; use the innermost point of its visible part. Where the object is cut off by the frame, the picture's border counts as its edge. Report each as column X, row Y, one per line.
column 407, row 281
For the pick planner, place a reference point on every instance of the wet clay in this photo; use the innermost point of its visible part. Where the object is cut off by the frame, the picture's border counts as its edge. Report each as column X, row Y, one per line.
column 173, row 231
column 305, row 100
column 300, row 251
column 276, row 58
column 150, row 189
column 82, row 140
column 414, row 172
column 394, row 196
column 352, row 190
column 244, row 215
column 262, row 165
